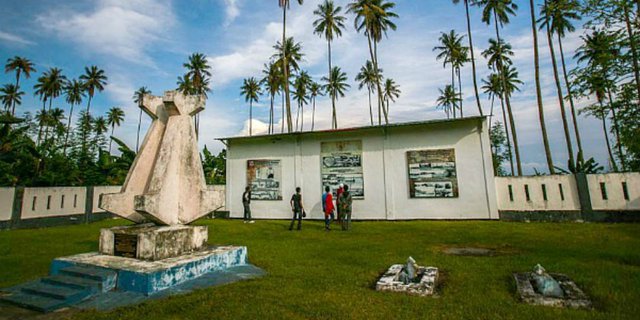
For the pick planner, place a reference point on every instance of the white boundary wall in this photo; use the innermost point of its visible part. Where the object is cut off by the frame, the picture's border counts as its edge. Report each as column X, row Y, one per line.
column 53, row 202
column 99, row 190
column 385, row 171
column 6, row 203
column 512, row 193
column 613, row 195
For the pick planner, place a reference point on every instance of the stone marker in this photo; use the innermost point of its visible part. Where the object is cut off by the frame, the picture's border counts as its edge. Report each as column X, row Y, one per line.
column 398, row 279
column 550, row 289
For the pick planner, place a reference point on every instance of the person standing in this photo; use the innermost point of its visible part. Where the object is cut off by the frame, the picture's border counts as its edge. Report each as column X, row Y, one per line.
column 345, row 208
column 327, row 207
column 297, row 208
column 246, row 203
column 338, row 194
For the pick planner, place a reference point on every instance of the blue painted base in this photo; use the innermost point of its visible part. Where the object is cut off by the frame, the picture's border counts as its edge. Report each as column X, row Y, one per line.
column 150, row 277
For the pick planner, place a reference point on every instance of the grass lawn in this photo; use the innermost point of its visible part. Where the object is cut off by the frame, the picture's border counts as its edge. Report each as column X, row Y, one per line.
column 318, row 274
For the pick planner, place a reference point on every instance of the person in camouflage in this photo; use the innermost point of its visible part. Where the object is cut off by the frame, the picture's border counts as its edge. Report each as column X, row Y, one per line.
column 345, row 208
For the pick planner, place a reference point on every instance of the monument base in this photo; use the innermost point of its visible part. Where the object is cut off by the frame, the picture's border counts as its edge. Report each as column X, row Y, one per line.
column 149, row 277
column 151, row 242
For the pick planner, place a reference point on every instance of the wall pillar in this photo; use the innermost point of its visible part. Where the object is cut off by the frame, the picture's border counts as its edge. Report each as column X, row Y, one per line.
column 586, row 209
column 88, row 204
column 17, row 208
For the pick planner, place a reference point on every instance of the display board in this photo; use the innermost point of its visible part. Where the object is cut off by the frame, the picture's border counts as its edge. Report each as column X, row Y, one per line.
column 264, row 177
column 432, row 173
column 342, row 163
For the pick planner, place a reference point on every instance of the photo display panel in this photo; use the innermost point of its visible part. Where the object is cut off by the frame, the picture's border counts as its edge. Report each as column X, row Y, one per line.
column 341, row 162
column 264, row 177
column 432, row 173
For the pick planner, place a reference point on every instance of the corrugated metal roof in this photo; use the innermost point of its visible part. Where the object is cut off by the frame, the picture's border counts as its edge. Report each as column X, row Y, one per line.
column 354, row 129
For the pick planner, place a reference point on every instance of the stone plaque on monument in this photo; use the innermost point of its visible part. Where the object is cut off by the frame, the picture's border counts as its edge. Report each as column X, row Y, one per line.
column 125, row 245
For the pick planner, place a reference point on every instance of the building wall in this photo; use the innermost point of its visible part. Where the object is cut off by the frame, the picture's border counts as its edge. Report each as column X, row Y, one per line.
column 385, row 172
column 615, row 198
column 53, row 202
column 6, row 203
column 518, row 201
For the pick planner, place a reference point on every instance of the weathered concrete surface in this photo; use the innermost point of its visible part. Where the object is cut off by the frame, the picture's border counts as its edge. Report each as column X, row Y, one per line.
column 573, row 296
column 157, row 242
column 166, row 183
column 425, row 287
column 149, row 277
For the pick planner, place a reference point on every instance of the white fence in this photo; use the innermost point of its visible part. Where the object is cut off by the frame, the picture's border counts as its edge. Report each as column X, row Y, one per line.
column 607, row 192
column 6, row 203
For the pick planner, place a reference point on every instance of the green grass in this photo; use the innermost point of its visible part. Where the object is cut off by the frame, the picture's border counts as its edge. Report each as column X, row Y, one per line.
column 317, row 274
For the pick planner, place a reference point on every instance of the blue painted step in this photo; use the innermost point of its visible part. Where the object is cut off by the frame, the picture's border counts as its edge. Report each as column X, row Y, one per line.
column 71, row 286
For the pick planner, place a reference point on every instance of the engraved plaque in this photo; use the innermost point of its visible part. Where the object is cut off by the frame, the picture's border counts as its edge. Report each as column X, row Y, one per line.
column 125, row 245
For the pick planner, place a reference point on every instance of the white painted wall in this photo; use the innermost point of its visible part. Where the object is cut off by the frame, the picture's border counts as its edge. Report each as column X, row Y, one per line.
column 536, row 200
column 99, row 190
column 6, row 203
column 384, row 170
column 34, row 202
column 615, row 196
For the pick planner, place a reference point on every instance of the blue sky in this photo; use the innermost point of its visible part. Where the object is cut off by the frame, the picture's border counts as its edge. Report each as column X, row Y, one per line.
column 144, row 43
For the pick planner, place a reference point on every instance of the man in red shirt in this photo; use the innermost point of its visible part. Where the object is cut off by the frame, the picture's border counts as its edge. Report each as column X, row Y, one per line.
column 327, row 206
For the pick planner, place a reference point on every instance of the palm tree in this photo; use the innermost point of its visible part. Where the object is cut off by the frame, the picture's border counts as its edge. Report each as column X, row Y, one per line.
column 19, row 65
column 199, row 74
column 545, row 24
column 285, row 4
column 335, row 86
column 473, row 59
column 498, row 57
column 289, row 55
column 250, row 90
column 499, row 11
column 451, row 51
column 301, row 86
column 536, row 64
column 329, row 23
column 138, row 98
column 448, row 99
column 93, row 79
column 459, row 59
column 561, row 13
column 99, row 128
column 41, row 89
column 391, row 92
column 74, row 92
column 368, row 78
column 373, row 17
column 493, row 87
column 10, row 95
column 115, row 116
column 56, row 82
column 314, row 90
column 273, row 82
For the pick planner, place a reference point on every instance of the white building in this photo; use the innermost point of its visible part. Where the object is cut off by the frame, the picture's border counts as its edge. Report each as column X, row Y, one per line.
column 439, row 169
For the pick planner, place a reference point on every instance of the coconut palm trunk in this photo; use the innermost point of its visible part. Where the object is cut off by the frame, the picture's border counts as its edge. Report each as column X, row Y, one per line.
column 113, row 127
column 506, row 130
column 453, row 85
column 13, row 104
column 460, row 91
column 66, row 136
column 250, row 117
column 603, row 116
column 370, row 106
column 634, row 49
column 285, row 68
column 44, row 111
column 374, row 59
column 473, row 58
column 271, row 116
column 313, row 114
column 616, row 130
column 46, row 129
column 570, row 95
column 565, row 124
column 282, row 119
column 536, row 62
column 507, row 100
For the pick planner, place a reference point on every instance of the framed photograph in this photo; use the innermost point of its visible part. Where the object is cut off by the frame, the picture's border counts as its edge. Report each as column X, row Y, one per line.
column 432, row 173
column 264, row 177
column 341, row 162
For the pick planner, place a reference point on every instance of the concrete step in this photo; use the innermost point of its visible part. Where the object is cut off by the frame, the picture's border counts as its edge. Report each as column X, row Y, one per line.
column 92, row 273
column 70, row 295
column 34, row 302
column 74, row 282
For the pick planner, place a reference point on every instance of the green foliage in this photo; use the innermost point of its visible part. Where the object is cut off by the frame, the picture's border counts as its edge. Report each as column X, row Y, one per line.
column 499, row 148
column 215, row 167
column 590, row 166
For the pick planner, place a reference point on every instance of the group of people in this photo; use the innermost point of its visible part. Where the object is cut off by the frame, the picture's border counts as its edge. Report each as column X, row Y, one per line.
column 342, row 207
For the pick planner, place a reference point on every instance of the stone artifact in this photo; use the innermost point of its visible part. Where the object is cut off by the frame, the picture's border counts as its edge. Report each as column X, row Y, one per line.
column 409, row 278
column 550, row 289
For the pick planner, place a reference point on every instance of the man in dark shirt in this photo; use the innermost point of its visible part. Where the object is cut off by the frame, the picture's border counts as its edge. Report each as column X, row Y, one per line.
column 246, row 203
column 298, row 209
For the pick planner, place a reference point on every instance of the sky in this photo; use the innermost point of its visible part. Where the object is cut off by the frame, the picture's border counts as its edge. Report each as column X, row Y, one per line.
column 145, row 42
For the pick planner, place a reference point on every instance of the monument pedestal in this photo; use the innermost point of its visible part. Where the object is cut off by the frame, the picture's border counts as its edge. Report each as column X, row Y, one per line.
column 151, row 243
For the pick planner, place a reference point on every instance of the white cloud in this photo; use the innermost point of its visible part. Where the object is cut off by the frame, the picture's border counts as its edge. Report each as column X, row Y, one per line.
column 232, row 11
column 123, row 29
column 8, row 37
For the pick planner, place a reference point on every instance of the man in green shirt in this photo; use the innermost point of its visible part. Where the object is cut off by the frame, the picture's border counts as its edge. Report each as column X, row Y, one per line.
column 345, row 208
